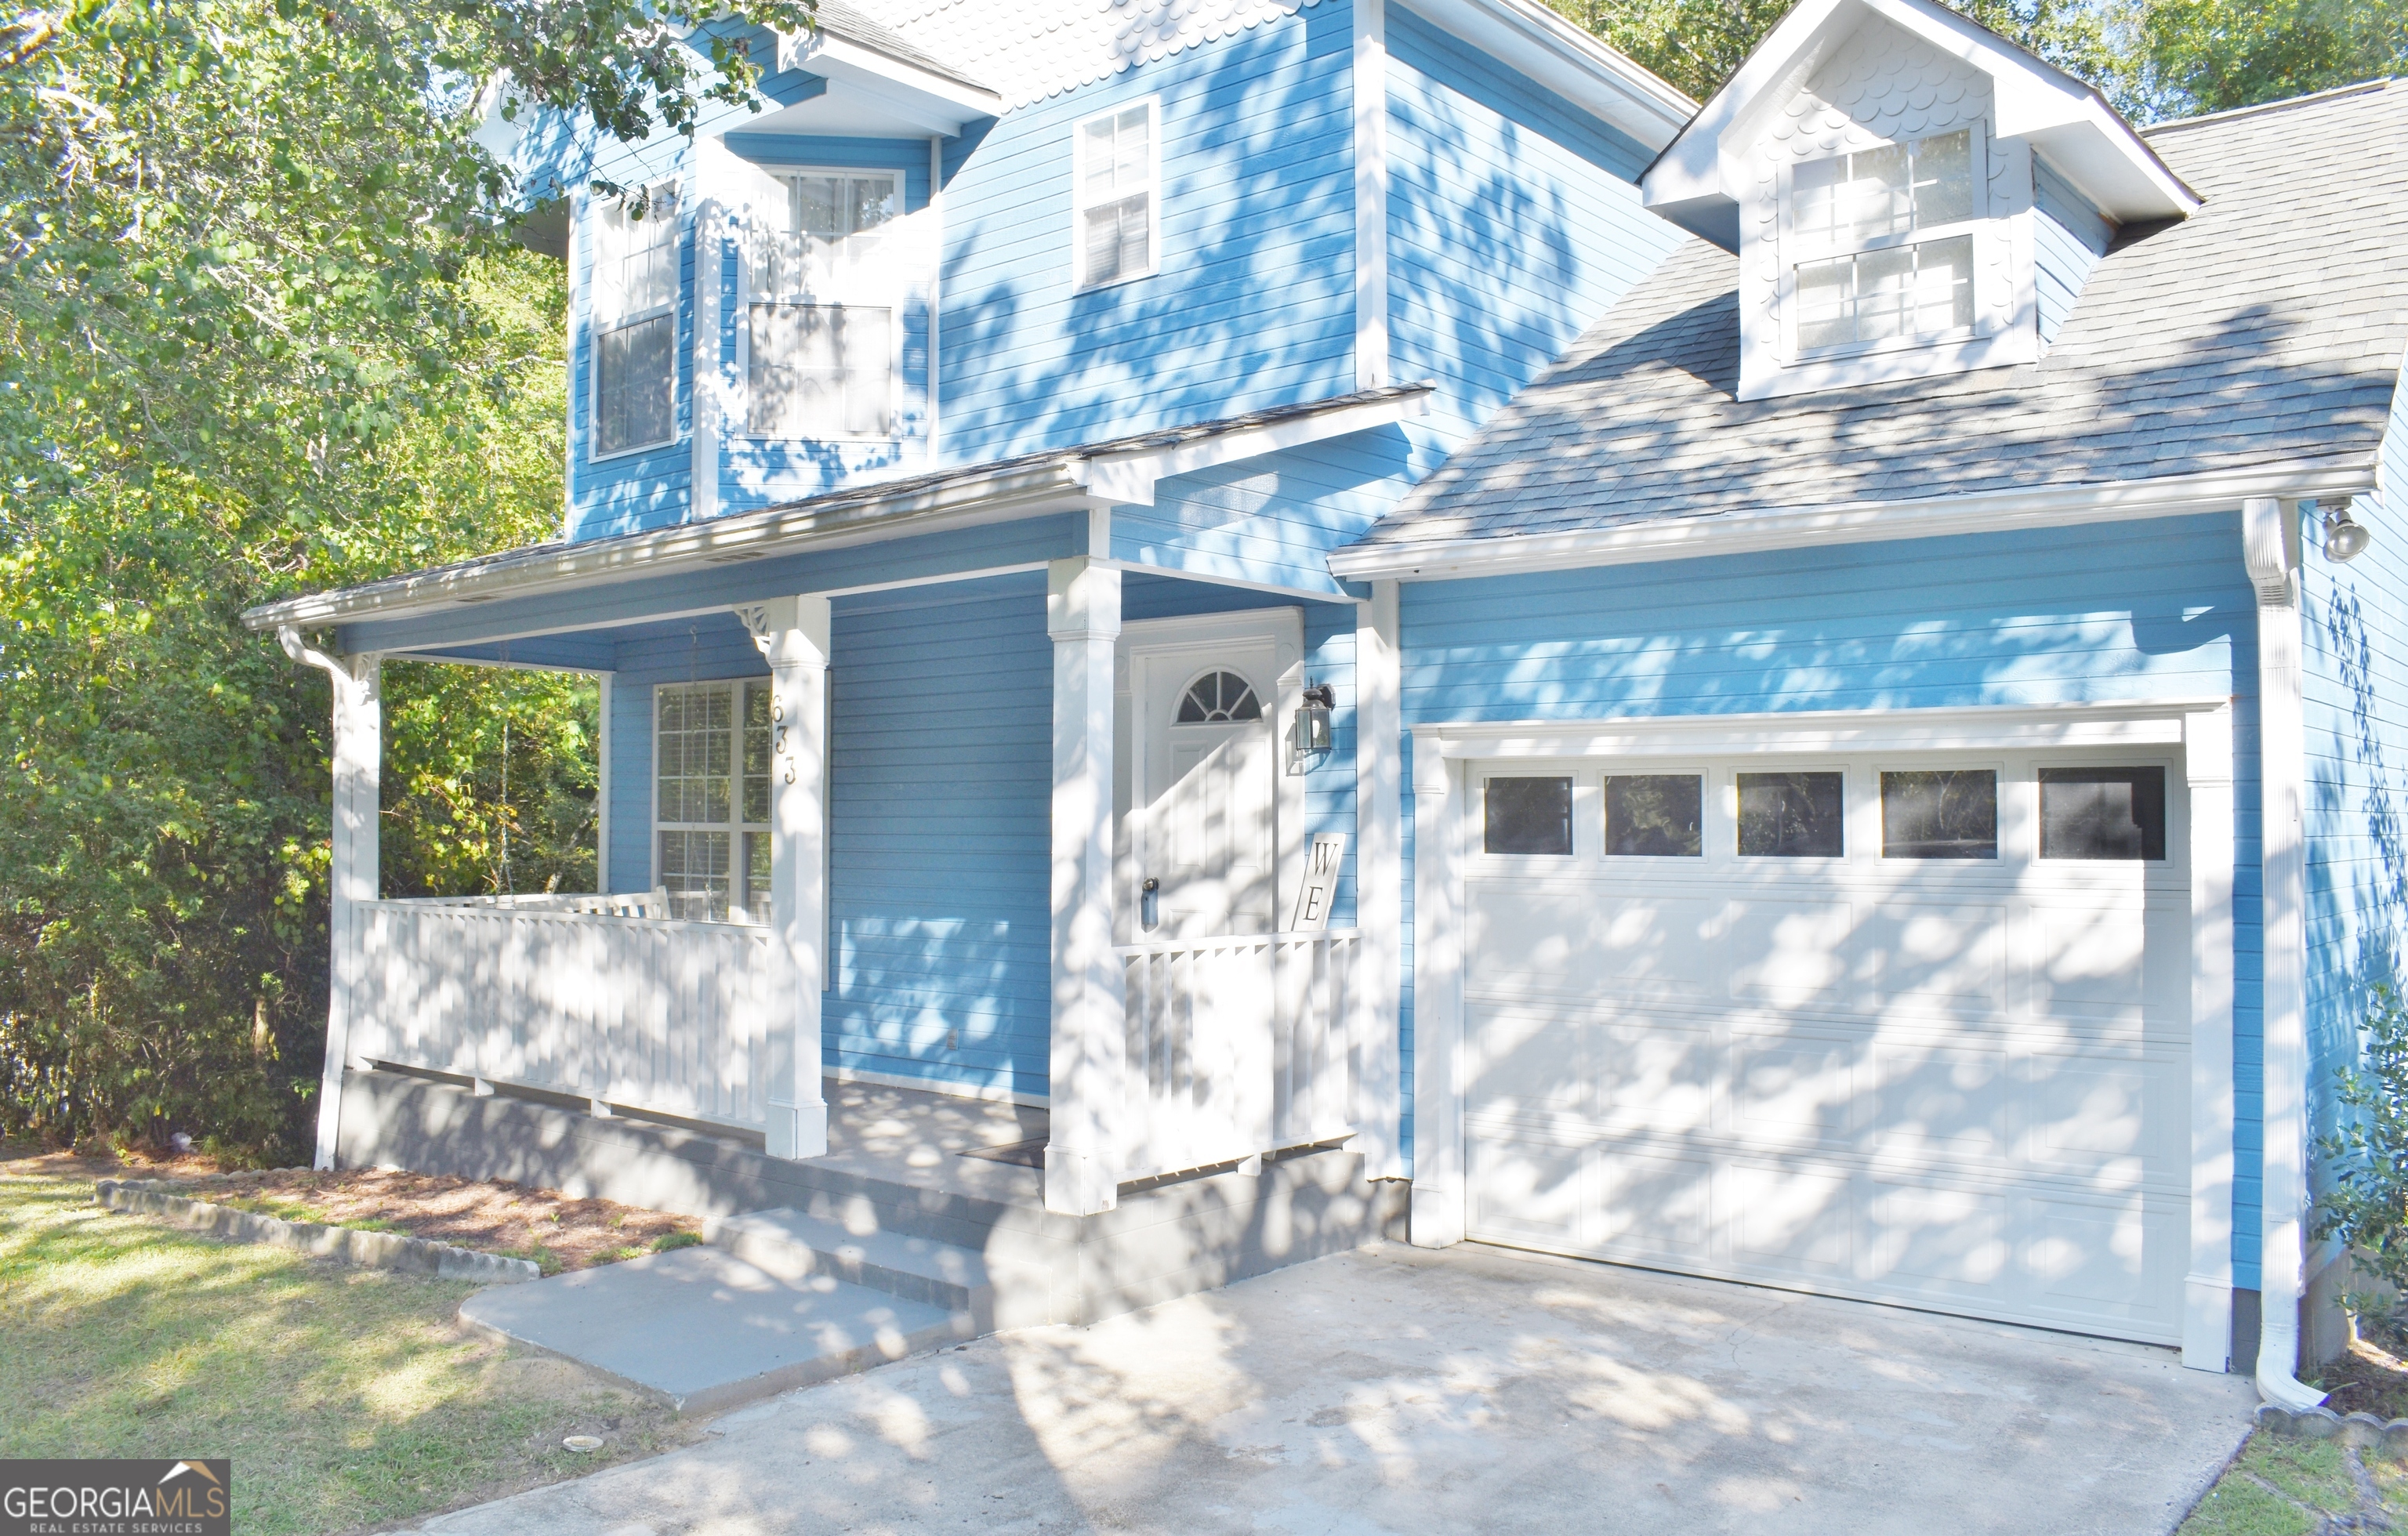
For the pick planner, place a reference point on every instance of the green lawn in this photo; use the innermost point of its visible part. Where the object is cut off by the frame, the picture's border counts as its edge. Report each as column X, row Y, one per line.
column 2290, row 1487
column 345, row 1398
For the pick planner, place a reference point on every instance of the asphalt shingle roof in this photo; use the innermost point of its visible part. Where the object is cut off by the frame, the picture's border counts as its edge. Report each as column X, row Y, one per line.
column 2269, row 327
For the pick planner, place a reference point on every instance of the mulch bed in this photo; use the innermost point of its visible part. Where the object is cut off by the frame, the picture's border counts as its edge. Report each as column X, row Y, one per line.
column 556, row 1232
column 2368, row 1378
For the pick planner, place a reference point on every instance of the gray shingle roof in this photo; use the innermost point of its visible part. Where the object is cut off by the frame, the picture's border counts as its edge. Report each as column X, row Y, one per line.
column 2267, row 328
column 842, row 20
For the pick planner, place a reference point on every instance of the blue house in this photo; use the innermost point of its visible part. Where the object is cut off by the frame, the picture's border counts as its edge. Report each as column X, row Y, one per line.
column 1230, row 630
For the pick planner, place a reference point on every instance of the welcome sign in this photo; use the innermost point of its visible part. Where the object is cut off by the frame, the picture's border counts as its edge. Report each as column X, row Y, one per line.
column 117, row 1498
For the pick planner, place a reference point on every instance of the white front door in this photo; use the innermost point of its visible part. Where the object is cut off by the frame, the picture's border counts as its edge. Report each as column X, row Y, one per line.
column 1912, row 1029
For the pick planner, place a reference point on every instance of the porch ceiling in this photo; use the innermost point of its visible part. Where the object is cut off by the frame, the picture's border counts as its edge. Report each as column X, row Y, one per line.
column 1114, row 472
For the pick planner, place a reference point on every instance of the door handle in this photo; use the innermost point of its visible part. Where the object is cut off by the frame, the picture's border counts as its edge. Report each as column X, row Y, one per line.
column 1149, row 898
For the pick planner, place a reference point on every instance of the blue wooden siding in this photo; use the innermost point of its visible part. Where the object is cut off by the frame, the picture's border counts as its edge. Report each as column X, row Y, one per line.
column 2069, row 237
column 1272, row 519
column 1513, row 224
column 2355, row 619
column 1253, row 304
column 2156, row 609
column 757, row 472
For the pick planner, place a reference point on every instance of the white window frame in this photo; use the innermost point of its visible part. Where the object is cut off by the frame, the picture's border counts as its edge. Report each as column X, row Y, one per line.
column 893, row 304
column 1080, row 282
column 735, row 826
column 596, row 326
column 1980, row 229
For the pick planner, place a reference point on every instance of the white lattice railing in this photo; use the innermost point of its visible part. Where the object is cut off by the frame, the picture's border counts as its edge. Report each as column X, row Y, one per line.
column 1237, row 1045
column 640, row 1012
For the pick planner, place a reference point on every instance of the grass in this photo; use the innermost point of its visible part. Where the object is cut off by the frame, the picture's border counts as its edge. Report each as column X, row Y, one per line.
column 2291, row 1487
column 345, row 1398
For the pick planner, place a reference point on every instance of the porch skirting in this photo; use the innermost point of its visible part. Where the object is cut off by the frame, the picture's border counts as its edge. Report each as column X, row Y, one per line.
column 1161, row 1241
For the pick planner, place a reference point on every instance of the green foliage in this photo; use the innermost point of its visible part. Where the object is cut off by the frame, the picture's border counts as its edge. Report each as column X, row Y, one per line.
column 261, row 330
column 2365, row 1159
column 2155, row 59
column 2191, row 56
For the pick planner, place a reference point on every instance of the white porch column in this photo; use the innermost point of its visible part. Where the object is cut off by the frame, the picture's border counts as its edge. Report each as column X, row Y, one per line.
column 358, row 765
column 1439, row 1179
column 2207, row 1289
column 1379, row 879
column 793, row 632
column 2269, row 544
column 1083, row 1156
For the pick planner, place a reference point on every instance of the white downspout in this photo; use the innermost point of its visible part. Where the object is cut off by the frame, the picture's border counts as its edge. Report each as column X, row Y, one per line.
column 2270, row 551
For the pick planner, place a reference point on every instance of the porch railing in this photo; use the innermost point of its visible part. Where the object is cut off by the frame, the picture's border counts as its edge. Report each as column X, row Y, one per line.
column 645, row 1013
column 1237, row 1045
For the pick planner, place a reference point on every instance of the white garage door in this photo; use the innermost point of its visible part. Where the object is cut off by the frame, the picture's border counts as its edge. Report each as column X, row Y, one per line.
column 1910, row 1030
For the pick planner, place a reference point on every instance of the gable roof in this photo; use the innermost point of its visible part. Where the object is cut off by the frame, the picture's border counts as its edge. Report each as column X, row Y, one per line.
column 1698, row 179
column 840, row 20
column 2262, row 338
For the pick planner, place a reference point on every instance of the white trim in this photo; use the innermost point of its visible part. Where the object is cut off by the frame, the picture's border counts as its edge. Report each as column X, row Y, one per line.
column 793, row 635
column 602, row 743
column 1087, row 1053
column 1700, row 177
column 2207, row 1288
column 985, row 1094
column 1749, row 532
column 711, row 382
column 1440, row 1211
column 934, row 209
column 1567, row 59
column 1379, row 880
column 2142, row 722
column 1371, row 93
column 936, row 103
column 970, row 499
column 1079, row 281
column 2269, row 549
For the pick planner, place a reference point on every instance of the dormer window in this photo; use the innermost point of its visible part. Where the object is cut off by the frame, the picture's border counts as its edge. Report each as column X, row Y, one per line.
column 1882, row 245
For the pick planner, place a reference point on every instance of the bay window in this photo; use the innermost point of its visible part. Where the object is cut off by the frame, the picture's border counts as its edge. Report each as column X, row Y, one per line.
column 821, row 362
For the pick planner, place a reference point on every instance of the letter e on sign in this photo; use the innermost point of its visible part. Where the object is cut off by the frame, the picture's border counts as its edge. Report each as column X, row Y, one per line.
column 1320, row 886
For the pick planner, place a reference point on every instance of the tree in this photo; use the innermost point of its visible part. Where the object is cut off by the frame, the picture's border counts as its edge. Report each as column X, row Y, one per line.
column 261, row 328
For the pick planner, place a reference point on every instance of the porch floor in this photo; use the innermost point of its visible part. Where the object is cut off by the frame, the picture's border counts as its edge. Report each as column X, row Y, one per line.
column 911, row 1137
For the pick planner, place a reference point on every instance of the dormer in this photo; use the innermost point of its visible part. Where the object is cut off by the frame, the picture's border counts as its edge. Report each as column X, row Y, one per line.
column 1908, row 194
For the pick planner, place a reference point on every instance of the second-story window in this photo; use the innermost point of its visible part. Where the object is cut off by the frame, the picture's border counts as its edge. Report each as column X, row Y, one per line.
column 818, row 320
column 635, row 289
column 1119, row 230
column 1882, row 244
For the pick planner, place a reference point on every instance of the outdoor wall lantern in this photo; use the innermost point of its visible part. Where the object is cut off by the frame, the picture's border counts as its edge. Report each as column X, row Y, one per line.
column 2345, row 538
column 1311, row 732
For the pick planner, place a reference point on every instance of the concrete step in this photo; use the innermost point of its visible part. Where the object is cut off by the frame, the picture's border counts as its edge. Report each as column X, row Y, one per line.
column 706, row 1330
column 793, row 1244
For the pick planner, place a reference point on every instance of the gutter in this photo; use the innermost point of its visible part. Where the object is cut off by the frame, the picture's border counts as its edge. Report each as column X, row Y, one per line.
column 1729, row 533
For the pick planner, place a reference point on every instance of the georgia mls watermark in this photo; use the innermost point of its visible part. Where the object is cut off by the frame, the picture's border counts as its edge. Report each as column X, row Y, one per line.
column 117, row 1498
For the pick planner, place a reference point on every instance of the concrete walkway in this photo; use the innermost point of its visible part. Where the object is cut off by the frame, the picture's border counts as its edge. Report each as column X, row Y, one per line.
column 1395, row 1390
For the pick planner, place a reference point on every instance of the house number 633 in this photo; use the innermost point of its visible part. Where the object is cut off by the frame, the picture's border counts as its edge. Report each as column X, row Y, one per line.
column 778, row 717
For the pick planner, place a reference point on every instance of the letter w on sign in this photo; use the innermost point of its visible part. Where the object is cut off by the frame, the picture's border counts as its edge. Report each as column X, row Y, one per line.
column 1320, row 886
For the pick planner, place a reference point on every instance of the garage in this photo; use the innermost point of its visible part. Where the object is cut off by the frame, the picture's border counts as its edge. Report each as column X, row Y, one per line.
column 1910, row 1028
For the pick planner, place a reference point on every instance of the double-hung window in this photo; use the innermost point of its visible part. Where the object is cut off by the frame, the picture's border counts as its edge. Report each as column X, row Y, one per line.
column 712, row 745
column 1882, row 244
column 821, row 366
column 1119, row 230
column 633, row 323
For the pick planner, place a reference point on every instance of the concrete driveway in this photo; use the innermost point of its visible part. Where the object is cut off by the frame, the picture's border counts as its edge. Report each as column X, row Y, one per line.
column 1469, row 1390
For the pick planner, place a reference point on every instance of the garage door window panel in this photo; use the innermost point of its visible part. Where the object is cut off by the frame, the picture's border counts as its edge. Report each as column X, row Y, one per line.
column 1792, row 815
column 1947, row 813
column 1655, row 815
column 1529, row 816
column 2102, row 813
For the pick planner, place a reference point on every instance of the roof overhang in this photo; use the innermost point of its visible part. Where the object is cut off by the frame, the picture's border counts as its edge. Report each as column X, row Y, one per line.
column 1696, row 182
column 866, row 84
column 1567, row 61
column 1121, row 472
column 1858, row 523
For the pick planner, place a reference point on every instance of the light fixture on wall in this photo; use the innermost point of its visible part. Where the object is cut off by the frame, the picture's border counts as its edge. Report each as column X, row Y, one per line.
column 1311, row 732
column 2345, row 538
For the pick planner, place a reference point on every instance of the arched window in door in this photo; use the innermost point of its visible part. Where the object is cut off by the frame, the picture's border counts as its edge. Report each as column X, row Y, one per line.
column 1218, row 697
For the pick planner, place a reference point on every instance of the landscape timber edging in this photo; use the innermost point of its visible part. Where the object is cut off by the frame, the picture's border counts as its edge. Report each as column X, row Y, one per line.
column 2362, row 1430
column 369, row 1250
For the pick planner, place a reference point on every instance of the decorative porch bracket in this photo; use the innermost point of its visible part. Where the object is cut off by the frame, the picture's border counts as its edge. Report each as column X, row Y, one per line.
column 794, row 633
column 358, row 764
column 1089, row 1058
